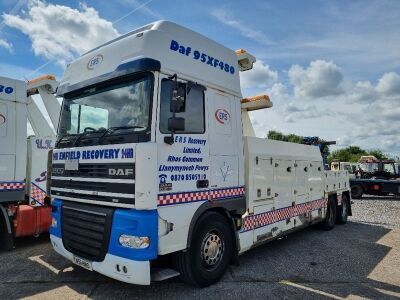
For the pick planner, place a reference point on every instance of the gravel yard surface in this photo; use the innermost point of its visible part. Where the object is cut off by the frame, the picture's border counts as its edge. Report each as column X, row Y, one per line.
column 359, row 260
column 377, row 210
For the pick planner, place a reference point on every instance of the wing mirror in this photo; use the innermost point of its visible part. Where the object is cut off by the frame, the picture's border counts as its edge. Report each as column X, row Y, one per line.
column 177, row 105
column 176, row 124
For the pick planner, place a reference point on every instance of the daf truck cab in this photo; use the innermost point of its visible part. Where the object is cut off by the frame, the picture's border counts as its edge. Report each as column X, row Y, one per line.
column 156, row 159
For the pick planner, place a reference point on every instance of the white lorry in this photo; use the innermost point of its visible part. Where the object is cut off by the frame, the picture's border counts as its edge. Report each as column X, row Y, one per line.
column 156, row 161
column 23, row 161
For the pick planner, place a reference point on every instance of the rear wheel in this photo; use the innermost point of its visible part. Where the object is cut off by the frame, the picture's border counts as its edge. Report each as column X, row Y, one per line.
column 343, row 211
column 330, row 218
column 210, row 252
column 356, row 191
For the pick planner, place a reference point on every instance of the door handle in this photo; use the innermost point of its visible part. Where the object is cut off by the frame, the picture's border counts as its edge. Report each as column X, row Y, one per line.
column 202, row 183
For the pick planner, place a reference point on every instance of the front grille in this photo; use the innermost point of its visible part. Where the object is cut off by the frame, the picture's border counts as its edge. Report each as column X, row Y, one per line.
column 98, row 170
column 86, row 230
column 111, row 187
column 77, row 196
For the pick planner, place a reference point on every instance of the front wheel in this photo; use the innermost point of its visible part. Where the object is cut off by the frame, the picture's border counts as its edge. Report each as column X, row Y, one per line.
column 5, row 237
column 343, row 212
column 210, row 252
column 330, row 219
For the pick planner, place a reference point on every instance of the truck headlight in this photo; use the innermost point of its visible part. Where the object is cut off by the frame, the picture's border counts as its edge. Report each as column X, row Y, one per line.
column 133, row 241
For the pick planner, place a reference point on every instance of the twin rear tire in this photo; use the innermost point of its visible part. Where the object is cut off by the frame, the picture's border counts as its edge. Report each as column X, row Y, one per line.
column 343, row 211
column 336, row 214
column 210, row 251
column 330, row 219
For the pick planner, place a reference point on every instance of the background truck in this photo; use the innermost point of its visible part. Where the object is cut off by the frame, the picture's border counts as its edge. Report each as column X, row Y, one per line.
column 23, row 161
column 375, row 177
column 157, row 171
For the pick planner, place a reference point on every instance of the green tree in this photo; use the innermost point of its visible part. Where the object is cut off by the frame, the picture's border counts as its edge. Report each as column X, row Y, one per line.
column 378, row 154
column 350, row 154
column 353, row 154
column 279, row 136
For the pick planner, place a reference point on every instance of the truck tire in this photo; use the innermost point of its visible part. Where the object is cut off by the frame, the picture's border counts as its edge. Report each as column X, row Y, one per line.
column 357, row 191
column 6, row 238
column 330, row 219
column 210, row 251
column 343, row 211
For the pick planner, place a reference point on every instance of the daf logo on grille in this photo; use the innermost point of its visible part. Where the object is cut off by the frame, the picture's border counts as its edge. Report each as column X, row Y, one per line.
column 120, row 172
column 58, row 171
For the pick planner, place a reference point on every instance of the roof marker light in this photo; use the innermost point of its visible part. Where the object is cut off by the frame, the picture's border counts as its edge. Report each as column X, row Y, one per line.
column 41, row 78
column 256, row 102
column 245, row 60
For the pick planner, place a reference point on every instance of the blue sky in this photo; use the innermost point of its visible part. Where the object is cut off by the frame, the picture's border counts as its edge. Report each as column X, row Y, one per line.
column 331, row 67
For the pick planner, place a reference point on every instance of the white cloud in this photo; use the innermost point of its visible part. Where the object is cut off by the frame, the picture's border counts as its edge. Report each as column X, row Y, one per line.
column 261, row 76
column 227, row 19
column 6, row 45
column 60, row 32
column 362, row 91
column 320, row 79
column 319, row 101
column 389, row 84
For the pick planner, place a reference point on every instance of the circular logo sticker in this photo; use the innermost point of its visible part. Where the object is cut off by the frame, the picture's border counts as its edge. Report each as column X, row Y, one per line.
column 2, row 119
column 94, row 62
column 222, row 116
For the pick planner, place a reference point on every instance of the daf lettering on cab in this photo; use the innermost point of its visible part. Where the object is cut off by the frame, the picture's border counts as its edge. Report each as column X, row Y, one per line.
column 157, row 172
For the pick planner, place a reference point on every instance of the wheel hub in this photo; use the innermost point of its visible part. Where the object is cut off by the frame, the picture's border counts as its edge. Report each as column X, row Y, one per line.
column 212, row 249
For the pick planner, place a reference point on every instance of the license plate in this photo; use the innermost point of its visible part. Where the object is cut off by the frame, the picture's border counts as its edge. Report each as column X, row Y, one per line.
column 72, row 165
column 82, row 263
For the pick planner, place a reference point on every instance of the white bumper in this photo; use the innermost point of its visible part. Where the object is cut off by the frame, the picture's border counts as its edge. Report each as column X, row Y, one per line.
column 138, row 272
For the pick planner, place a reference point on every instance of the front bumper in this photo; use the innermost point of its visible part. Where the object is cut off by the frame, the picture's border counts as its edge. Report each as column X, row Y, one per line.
column 137, row 272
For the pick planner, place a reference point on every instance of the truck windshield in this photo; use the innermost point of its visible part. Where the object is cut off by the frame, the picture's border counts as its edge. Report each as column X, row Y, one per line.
column 118, row 108
column 369, row 167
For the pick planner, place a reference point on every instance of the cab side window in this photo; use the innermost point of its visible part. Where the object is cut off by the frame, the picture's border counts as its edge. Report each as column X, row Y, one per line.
column 192, row 112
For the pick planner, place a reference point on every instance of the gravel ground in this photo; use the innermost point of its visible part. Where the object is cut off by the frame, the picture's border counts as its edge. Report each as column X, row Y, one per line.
column 377, row 210
column 360, row 260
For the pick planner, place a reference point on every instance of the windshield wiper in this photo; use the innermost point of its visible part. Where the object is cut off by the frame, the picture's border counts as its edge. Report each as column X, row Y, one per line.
column 60, row 139
column 85, row 132
column 113, row 129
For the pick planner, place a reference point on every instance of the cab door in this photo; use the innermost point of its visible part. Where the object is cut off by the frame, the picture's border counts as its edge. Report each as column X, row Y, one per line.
column 224, row 141
column 183, row 166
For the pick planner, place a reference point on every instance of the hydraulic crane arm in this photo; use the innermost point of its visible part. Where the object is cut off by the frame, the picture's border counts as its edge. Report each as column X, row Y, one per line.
column 45, row 86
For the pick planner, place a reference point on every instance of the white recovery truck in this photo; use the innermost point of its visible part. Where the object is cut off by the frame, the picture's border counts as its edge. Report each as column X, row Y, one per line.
column 156, row 163
column 23, row 161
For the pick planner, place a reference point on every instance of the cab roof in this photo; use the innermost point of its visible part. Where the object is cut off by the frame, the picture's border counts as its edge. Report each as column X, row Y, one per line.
column 177, row 49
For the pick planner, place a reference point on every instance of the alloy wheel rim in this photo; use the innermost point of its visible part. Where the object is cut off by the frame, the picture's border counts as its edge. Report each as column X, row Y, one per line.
column 212, row 249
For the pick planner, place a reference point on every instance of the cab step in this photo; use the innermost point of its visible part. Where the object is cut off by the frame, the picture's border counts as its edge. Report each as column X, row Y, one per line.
column 160, row 274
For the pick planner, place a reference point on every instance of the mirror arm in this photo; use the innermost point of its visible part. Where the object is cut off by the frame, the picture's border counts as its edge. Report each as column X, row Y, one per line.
column 170, row 139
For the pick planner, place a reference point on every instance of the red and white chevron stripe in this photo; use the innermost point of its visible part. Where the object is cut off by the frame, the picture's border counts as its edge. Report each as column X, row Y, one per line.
column 169, row 199
column 180, row 198
column 37, row 193
column 227, row 193
column 12, row 186
column 270, row 217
